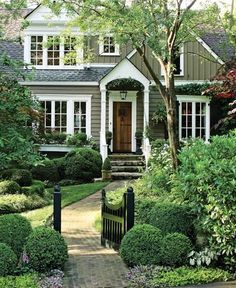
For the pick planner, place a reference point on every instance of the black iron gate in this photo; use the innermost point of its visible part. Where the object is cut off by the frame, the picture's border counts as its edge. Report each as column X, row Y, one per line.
column 117, row 219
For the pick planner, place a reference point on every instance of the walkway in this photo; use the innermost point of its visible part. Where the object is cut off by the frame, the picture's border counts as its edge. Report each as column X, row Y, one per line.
column 90, row 265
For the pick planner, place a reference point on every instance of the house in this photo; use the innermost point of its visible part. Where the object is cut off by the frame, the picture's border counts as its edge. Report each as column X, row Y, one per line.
column 114, row 91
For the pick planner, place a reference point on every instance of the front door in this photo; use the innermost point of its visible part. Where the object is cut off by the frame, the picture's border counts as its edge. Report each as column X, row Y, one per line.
column 122, row 115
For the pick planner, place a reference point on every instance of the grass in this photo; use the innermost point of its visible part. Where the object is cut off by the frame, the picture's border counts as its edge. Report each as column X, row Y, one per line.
column 70, row 194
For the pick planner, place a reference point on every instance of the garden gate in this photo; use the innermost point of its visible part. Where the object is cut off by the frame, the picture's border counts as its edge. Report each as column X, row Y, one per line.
column 117, row 219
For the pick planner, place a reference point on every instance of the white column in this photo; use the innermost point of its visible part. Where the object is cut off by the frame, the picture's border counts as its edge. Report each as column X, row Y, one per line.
column 27, row 49
column 70, row 117
column 207, row 121
column 146, row 108
column 103, row 145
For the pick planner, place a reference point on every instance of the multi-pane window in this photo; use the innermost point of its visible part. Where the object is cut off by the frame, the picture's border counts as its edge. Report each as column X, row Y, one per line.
column 108, row 46
column 60, row 116
column 80, row 117
column 53, row 52
column 69, row 51
column 36, row 50
column 47, row 107
column 194, row 118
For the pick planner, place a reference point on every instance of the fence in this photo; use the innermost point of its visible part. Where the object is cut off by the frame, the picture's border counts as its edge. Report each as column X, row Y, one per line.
column 117, row 219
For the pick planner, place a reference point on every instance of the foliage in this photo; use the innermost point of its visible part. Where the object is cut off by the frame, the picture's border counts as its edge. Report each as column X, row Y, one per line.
column 9, row 187
column 141, row 245
column 78, row 140
column 54, row 278
column 8, row 260
column 192, row 89
column 139, row 134
column 206, row 179
column 184, row 276
column 202, row 258
column 22, row 176
column 83, row 164
column 175, row 248
column 47, row 170
column 172, row 217
column 37, row 188
column 143, row 209
column 106, row 164
column 22, row 281
column 46, row 249
column 159, row 116
column 53, row 137
column 125, row 84
column 67, row 182
column 14, row 231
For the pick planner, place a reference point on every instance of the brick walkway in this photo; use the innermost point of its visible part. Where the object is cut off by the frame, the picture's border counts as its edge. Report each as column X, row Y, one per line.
column 90, row 265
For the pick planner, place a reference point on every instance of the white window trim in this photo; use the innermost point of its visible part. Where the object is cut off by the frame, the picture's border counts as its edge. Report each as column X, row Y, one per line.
column 70, row 99
column 195, row 99
column 131, row 97
column 101, row 47
column 27, row 50
column 181, row 64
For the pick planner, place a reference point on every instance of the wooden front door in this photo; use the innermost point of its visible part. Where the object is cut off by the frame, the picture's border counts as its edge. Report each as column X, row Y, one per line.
column 122, row 118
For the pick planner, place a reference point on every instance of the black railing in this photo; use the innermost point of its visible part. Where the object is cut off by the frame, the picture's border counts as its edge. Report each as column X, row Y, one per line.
column 117, row 219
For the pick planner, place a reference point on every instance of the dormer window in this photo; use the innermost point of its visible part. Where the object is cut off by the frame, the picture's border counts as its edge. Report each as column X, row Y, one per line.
column 69, row 51
column 108, row 46
column 53, row 51
column 36, row 50
column 179, row 61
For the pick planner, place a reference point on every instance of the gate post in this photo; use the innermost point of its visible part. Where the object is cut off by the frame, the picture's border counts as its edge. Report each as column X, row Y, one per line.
column 57, row 208
column 130, row 208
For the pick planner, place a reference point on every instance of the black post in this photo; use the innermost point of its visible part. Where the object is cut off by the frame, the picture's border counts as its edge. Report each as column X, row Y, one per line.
column 57, row 208
column 130, row 208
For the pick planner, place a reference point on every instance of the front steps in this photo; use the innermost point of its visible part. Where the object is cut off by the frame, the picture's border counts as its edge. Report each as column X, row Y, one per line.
column 127, row 166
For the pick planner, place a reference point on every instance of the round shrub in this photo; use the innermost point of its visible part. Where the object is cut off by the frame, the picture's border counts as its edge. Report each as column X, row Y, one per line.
column 37, row 188
column 143, row 210
column 14, row 231
column 172, row 217
column 83, row 164
column 8, row 260
column 175, row 248
column 106, row 164
column 22, row 176
column 9, row 187
column 141, row 245
column 47, row 171
column 60, row 164
column 46, row 249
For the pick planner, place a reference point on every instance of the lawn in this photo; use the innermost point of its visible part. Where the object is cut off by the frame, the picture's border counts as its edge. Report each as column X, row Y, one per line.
column 70, row 194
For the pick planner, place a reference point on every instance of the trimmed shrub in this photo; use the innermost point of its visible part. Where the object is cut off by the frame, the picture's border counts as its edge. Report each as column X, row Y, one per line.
column 60, row 164
column 37, row 187
column 174, row 250
column 141, row 245
column 46, row 249
column 143, row 210
column 21, row 281
column 68, row 182
column 14, row 231
column 9, row 187
column 106, row 164
column 47, row 171
column 83, row 164
column 78, row 140
column 172, row 217
column 22, row 176
column 8, row 260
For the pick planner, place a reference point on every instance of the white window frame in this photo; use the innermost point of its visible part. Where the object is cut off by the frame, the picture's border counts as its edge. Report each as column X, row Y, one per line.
column 27, row 52
column 70, row 99
column 101, row 47
column 181, row 63
column 194, row 99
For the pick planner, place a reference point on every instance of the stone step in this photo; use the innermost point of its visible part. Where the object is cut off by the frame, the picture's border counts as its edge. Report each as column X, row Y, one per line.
column 120, row 168
column 125, row 175
column 127, row 163
column 126, row 157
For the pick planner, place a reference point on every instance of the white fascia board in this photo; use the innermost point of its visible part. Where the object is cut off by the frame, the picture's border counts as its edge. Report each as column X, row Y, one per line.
column 58, row 83
column 131, row 54
column 182, row 82
column 193, row 98
column 209, row 50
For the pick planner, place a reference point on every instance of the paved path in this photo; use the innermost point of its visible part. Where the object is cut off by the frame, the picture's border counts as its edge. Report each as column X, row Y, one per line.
column 90, row 265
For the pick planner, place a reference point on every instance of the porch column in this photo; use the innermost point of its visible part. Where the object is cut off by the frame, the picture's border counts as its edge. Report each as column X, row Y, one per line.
column 146, row 108
column 103, row 145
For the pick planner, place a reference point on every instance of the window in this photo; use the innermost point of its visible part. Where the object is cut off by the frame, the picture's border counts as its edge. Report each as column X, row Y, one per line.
column 194, row 117
column 53, row 51
column 178, row 61
column 108, row 46
column 80, row 117
column 36, row 50
column 60, row 116
column 69, row 51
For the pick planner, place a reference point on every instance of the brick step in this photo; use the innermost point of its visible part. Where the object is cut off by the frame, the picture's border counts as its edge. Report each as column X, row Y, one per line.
column 126, row 168
column 125, row 175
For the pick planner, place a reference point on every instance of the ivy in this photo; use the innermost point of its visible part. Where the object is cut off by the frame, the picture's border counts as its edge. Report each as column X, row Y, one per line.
column 125, row 84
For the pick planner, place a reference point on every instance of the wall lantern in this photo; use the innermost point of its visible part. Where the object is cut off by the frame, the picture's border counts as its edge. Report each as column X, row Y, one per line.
column 123, row 95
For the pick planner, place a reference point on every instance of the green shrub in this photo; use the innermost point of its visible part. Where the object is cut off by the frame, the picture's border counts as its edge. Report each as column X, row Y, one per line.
column 188, row 276
column 37, row 187
column 8, row 260
column 206, row 179
column 47, row 171
column 46, row 249
column 172, row 217
column 175, row 248
column 53, row 138
column 60, row 164
column 9, row 187
column 83, row 164
column 106, row 164
column 22, row 281
column 143, row 210
column 141, row 245
column 22, row 176
column 68, row 182
column 78, row 140
column 14, row 231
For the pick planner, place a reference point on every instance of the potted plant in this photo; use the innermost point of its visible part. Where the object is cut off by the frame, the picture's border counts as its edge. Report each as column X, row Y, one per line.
column 108, row 140
column 106, row 170
column 139, row 138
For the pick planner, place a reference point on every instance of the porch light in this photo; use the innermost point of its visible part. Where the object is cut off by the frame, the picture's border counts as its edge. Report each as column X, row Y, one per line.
column 123, row 95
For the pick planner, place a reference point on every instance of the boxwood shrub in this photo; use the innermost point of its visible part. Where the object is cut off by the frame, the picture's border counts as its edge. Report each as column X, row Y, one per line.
column 143, row 210
column 172, row 217
column 8, row 260
column 46, row 249
column 47, row 171
column 174, row 250
column 9, row 187
column 37, row 188
column 14, row 231
column 83, row 164
column 141, row 245
column 22, row 176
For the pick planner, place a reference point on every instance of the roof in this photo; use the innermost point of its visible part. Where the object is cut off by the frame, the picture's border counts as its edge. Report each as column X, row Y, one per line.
column 220, row 45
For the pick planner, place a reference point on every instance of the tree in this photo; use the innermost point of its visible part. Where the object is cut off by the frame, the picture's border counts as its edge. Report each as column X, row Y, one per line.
column 159, row 25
